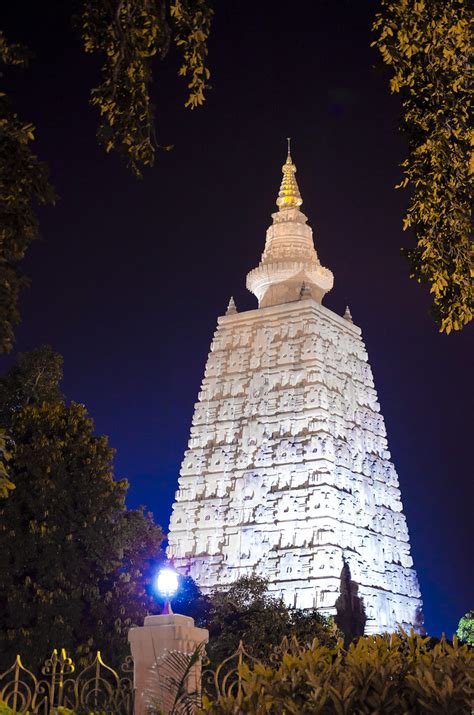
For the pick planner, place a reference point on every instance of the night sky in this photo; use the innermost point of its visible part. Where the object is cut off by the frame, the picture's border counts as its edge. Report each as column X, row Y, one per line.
column 130, row 275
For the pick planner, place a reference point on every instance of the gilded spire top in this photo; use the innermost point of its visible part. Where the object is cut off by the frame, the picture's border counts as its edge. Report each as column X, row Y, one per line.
column 289, row 196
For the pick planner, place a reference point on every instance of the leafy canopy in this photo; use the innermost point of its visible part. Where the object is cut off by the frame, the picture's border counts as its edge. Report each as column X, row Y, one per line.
column 129, row 35
column 23, row 186
column 76, row 564
column 427, row 45
column 37, row 373
column 247, row 611
column 34, row 379
column 6, row 484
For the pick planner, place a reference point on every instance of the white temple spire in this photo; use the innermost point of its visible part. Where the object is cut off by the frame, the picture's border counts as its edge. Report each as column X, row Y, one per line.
column 289, row 258
column 287, row 473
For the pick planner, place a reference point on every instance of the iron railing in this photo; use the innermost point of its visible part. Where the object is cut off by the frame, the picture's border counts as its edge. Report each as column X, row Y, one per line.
column 97, row 688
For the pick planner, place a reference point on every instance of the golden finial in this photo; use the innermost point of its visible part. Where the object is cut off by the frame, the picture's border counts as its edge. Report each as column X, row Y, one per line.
column 289, row 196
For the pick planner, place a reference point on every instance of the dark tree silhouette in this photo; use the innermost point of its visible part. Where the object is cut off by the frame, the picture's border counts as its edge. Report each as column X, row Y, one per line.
column 351, row 617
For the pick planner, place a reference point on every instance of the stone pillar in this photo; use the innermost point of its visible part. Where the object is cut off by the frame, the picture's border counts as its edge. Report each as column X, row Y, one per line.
column 150, row 644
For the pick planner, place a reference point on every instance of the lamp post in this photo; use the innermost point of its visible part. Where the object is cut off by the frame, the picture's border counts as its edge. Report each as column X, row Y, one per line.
column 167, row 583
column 160, row 635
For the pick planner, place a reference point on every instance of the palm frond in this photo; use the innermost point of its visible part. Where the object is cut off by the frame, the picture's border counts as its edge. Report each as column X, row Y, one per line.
column 170, row 685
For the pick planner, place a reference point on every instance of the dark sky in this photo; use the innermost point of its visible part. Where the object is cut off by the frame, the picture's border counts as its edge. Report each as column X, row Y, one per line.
column 130, row 276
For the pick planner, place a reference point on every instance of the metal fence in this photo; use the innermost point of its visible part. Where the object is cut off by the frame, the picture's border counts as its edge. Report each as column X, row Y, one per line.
column 97, row 688
column 224, row 680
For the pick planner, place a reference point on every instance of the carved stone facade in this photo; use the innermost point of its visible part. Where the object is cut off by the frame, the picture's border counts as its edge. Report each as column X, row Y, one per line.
column 287, row 473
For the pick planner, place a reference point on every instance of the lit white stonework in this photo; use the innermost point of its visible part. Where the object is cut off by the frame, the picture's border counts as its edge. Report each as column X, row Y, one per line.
column 287, row 473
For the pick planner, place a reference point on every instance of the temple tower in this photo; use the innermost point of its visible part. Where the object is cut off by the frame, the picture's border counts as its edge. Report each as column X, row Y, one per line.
column 287, row 473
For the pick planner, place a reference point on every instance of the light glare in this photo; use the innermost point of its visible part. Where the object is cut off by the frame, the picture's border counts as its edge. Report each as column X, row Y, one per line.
column 167, row 582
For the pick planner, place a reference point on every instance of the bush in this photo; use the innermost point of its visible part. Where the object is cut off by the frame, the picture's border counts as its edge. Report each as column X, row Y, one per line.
column 396, row 673
column 465, row 631
column 5, row 709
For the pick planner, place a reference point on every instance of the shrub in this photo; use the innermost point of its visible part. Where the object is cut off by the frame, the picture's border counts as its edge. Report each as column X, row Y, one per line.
column 391, row 673
column 5, row 709
column 465, row 631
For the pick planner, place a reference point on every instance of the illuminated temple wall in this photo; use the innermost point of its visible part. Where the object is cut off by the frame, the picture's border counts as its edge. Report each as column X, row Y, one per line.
column 287, row 474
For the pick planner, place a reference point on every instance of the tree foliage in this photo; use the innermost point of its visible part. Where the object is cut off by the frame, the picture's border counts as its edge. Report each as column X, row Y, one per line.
column 37, row 373
column 75, row 562
column 426, row 44
column 465, row 631
column 350, row 611
column 129, row 35
column 6, row 484
column 34, row 379
column 23, row 186
column 247, row 611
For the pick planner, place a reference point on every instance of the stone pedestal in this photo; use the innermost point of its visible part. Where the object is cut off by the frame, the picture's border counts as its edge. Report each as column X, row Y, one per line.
column 150, row 646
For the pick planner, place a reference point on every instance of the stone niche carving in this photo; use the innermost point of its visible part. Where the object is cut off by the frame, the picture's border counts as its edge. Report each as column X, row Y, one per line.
column 287, row 472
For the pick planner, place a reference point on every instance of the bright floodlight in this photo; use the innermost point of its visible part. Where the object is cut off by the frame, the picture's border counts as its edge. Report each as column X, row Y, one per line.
column 167, row 583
